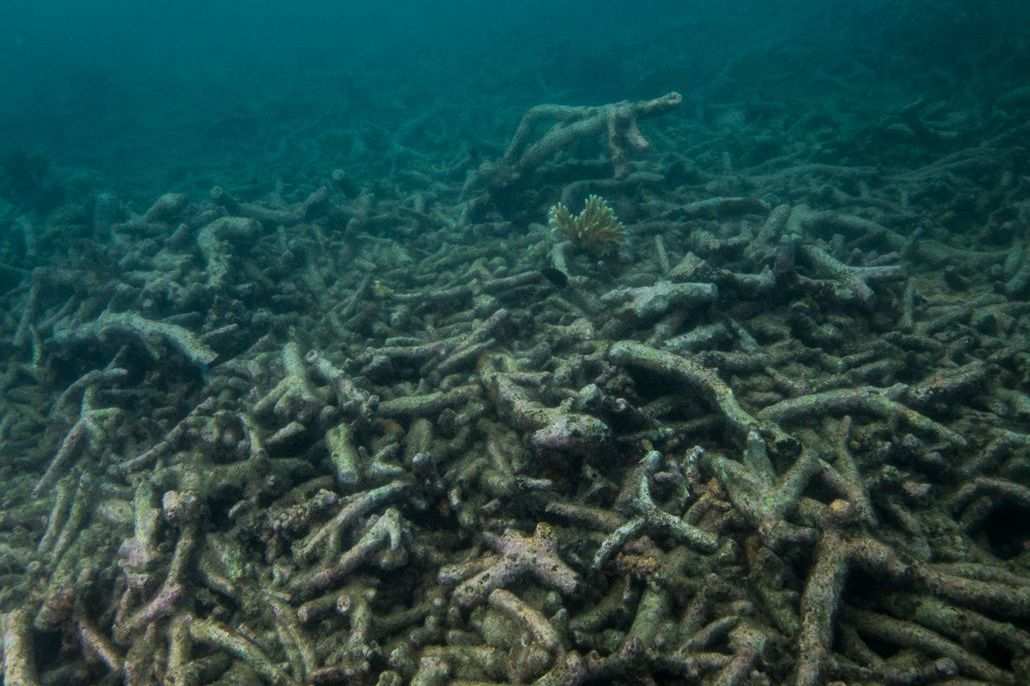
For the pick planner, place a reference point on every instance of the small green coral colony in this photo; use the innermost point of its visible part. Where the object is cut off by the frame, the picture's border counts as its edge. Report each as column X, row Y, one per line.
column 595, row 229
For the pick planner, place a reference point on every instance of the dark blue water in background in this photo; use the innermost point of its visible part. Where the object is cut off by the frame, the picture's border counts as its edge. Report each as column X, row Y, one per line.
column 147, row 97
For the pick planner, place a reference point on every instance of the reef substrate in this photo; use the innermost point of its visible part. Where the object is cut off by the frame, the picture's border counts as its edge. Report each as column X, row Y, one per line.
column 338, row 435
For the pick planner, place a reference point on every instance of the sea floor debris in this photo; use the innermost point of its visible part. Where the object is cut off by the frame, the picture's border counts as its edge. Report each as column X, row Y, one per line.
column 778, row 436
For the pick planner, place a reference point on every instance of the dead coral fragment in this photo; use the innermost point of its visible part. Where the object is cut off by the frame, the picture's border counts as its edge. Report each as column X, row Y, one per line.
column 596, row 229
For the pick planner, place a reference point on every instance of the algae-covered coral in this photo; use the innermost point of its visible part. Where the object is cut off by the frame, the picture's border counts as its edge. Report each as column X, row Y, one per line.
column 595, row 229
column 299, row 433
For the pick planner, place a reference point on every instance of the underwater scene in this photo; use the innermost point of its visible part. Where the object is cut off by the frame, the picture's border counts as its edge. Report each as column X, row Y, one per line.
column 543, row 342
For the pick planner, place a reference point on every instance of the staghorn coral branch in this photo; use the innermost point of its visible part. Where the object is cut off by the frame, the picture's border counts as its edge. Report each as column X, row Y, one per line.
column 520, row 556
column 99, row 645
column 879, row 402
column 386, row 533
column 146, row 331
column 326, row 539
column 705, row 381
column 218, row 635
column 272, row 216
column 759, row 495
column 551, row 428
column 293, row 396
column 648, row 302
column 911, row 635
column 618, row 121
column 650, row 519
column 544, row 634
column 353, row 401
column 91, row 431
column 855, row 280
column 18, row 654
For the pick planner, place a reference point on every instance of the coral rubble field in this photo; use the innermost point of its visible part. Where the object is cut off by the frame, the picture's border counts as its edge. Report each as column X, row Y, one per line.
column 725, row 382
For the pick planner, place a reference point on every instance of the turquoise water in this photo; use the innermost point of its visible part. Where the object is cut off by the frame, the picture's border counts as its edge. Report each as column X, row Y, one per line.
column 527, row 342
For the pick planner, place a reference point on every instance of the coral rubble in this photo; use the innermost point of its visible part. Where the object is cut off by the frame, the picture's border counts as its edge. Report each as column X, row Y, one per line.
column 336, row 437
